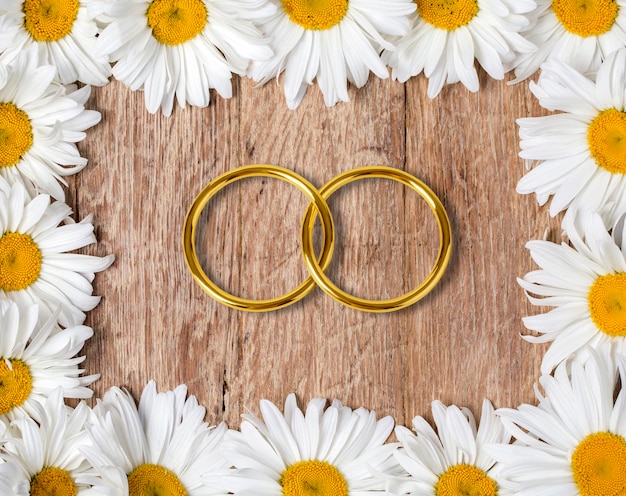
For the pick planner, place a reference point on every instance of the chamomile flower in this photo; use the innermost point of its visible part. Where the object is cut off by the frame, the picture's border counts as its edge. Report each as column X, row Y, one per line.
column 573, row 443
column 585, row 282
column 336, row 450
column 333, row 41
column 579, row 154
column 40, row 122
column 36, row 359
column 181, row 48
column 447, row 36
column 580, row 34
column 61, row 33
column 453, row 460
column 44, row 458
column 161, row 447
column 34, row 264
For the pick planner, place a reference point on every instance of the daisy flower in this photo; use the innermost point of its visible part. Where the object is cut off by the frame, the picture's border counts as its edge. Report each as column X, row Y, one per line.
column 181, row 47
column 452, row 461
column 61, row 34
column 333, row 41
column 580, row 153
column 573, row 443
column 44, row 458
column 34, row 265
column 447, row 36
column 337, row 450
column 161, row 447
column 585, row 282
column 40, row 122
column 36, row 359
column 580, row 34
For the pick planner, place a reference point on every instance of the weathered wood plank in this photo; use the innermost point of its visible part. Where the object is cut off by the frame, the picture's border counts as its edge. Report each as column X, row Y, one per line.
column 459, row 344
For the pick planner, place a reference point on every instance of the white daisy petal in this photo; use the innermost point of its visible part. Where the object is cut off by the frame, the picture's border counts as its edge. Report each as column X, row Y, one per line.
column 585, row 285
column 32, row 246
column 441, row 463
column 444, row 41
column 182, row 56
column 578, row 157
column 579, row 37
column 45, row 120
column 566, row 444
column 335, row 41
column 162, row 445
column 341, row 451
column 37, row 359
column 63, row 35
column 44, row 456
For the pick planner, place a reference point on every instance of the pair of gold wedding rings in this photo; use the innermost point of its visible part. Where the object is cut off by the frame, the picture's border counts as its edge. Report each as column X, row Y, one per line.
column 317, row 265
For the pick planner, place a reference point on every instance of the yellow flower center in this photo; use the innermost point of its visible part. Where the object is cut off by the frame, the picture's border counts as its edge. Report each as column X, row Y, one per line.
column 20, row 261
column 52, row 481
column 16, row 134
column 607, row 304
column 49, row 20
column 586, row 17
column 176, row 21
column 313, row 478
column 316, row 15
column 447, row 14
column 154, row 480
column 598, row 465
column 606, row 137
column 16, row 383
column 465, row 480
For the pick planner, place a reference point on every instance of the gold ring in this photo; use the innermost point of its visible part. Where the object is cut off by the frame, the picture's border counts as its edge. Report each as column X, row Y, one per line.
column 316, row 267
column 191, row 222
column 379, row 306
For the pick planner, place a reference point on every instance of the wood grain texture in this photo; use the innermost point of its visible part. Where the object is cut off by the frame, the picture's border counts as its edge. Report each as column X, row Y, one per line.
column 460, row 344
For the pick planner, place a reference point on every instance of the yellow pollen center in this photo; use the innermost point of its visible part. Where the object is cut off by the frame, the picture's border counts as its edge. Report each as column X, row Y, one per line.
column 49, row 20
column 176, row 21
column 447, row 14
column 16, row 134
column 598, row 465
column 606, row 137
column 154, row 480
column 465, row 480
column 316, row 15
column 586, row 17
column 52, row 481
column 607, row 304
column 16, row 383
column 20, row 261
column 313, row 478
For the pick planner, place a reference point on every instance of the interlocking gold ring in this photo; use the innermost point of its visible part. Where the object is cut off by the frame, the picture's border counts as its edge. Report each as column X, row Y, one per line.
column 379, row 306
column 220, row 182
column 316, row 267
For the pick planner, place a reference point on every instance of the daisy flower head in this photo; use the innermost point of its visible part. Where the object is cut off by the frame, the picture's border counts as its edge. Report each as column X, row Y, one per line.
column 334, row 451
column 181, row 48
column 43, row 459
column 35, row 266
column 573, row 443
column 60, row 31
column 580, row 152
column 448, row 36
column 452, row 461
column 333, row 41
column 585, row 282
column 580, row 34
column 163, row 446
column 36, row 360
column 40, row 123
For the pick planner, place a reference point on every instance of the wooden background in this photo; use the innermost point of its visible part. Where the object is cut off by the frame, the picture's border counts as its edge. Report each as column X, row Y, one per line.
column 460, row 344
